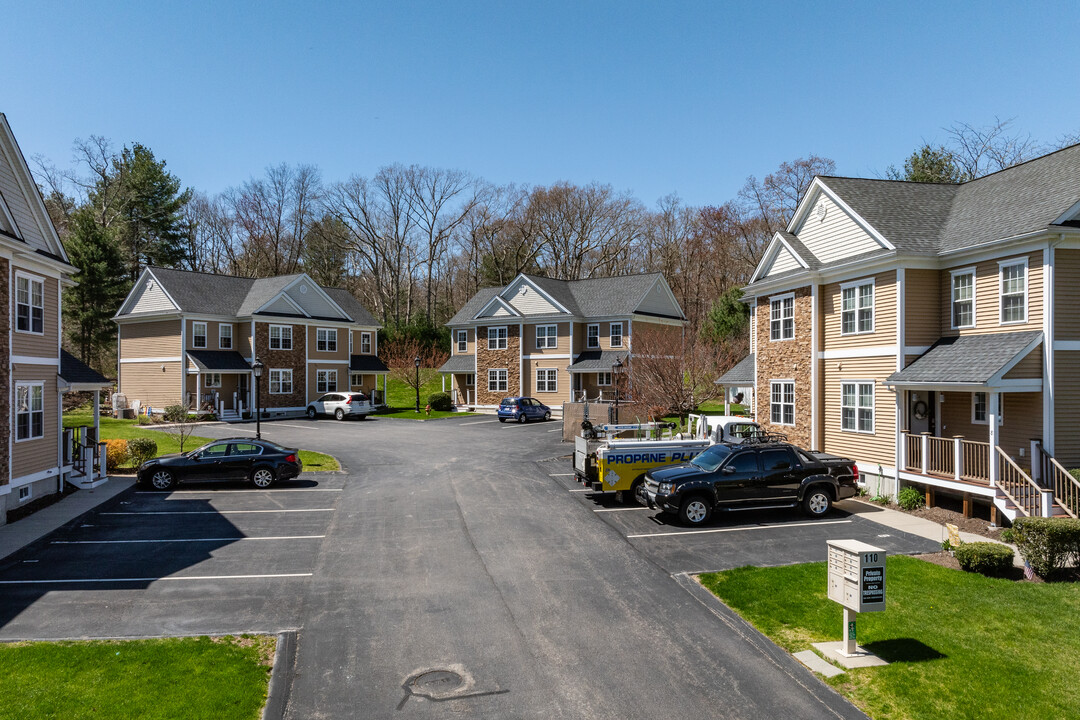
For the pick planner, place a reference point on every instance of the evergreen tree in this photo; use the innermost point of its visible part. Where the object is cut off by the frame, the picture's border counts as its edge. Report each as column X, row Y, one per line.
column 728, row 318
column 930, row 165
column 102, row 286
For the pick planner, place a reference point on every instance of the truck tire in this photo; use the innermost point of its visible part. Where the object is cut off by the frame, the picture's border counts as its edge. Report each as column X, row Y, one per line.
column 695, row 510
column 817, row 501
column 637, row 491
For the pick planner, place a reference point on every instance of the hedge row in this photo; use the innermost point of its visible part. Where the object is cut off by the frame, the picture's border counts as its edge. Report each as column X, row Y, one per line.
column 1046, row 544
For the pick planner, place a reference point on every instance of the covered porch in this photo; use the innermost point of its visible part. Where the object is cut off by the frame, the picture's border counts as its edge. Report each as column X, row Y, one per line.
column 365, row 371
column 83, row 452
column 458, row 375
column 219, row 381
column 595, row 376
column 739, row 385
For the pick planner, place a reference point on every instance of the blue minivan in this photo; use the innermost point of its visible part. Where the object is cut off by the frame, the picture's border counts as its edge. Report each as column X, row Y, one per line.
column 523, row 409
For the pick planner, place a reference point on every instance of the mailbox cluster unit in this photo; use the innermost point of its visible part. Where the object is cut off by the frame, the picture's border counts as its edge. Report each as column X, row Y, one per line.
column 857, row 575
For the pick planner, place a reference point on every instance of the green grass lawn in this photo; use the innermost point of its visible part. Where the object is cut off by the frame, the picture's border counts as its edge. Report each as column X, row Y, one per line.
column 220, row 678
column 960, row 645
column 127, row 429
column 401, row 399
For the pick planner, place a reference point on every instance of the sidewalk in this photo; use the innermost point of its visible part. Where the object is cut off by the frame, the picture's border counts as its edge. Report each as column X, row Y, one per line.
column 17, row 535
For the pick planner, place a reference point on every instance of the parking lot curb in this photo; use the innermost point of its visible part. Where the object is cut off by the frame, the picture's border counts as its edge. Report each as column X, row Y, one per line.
column 277, row 696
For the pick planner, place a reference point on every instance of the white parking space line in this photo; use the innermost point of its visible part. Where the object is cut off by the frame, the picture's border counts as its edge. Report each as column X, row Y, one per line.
column 739, row 529
column 298, row 427
column 152, row 579
column 252, row 490
column 560, row 474
column 583, row 490
column 630, row 509
column 556, row 430
column 184, row 540
column 215, row 512
column 478, row 422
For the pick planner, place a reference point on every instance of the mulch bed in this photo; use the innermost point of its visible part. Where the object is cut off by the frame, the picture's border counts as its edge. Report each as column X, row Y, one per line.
column 950, row 510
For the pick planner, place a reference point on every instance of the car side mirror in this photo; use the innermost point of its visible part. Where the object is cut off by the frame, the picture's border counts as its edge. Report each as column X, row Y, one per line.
column 729, row 470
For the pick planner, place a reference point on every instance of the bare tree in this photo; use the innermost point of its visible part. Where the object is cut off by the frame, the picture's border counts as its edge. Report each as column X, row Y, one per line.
column 273, row 215
column 670, row 369
column 775, row 198
column 979, row 151
column 179, row 421
column 212, row 243
column 400, row 357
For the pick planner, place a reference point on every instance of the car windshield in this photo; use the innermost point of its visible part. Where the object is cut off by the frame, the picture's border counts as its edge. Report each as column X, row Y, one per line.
column 509, row 402
column 710, row 459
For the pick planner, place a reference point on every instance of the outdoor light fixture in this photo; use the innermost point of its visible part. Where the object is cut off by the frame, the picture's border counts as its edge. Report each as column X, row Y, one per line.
column 256, row 369
column 416, row 362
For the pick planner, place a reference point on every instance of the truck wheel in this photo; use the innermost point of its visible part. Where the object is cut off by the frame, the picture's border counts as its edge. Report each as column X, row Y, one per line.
column 695, row 510
column 817, row 502
column 502, row 419
column 637, row 491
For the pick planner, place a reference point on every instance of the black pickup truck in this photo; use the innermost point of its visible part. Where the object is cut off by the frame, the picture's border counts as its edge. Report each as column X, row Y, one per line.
column 729, row 477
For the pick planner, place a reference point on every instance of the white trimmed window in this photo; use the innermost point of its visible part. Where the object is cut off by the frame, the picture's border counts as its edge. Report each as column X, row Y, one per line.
column 963, row 298
column 592, row 336
column 547, row 380
column 497, row 338
column 603, row 378
column 782, row 402
column 198, row 335
column 980, row 408
column 29, row 304
column 29, row 411
column 325, row 381
column 280, row 382
column 462, row 341
column 547, row 336
column 615, row 334
column 224, row 336
column 782, row 317
column 281, row 337
column 857, row 407
column 470, row 380
column 356, row 379
column 497, row 380
column 326, row 339
column 212, row 380
column 857, row 308
column 365, row 343
column 1013, row 291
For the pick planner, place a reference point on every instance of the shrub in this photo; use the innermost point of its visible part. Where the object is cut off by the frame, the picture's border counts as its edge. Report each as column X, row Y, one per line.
column 910, row 499
column 1047, row 544
column 440, row 401
column 116, row 453
column 1075, row 472
column 141, row 450
column 985, row 558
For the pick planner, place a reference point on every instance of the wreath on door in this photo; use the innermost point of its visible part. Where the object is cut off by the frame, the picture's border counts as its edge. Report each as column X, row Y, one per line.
column 919, row 410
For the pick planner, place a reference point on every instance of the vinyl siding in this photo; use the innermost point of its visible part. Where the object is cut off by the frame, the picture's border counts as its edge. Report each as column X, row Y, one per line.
column 342, row 352
column 31, row 456
column 1067, row 408
column 342, row 378
column 229, row 386
column 17, row 203
column 1022, row 413
column 313, row 302
column 160, row 338
column 212, row 334
column 45, row 345
column 783, row 262
column 531, row 302
column 281, row 306
column 922, row 314
column 879, row 447
column 581, row 333
column 470, row 334
column 838, row 236
column 562, row 346
column 562, row 383
column 1067, row 294
column 151, row 298
column 987, row 298
column 1030, row 367
column 242, row 338
column 147, row 383
column 884, row 314
column 658, row 301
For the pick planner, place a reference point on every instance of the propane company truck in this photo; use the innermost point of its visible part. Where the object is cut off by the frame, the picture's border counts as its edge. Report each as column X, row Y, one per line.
column 616, row 465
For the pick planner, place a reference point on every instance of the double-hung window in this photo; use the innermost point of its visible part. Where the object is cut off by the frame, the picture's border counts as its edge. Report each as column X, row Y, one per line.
column 224, row 337
column 1013, row 291
column 592, row 336
column 496, row 338
column 29, row 304
column 782, row 402
column 213, row 380
column 356, row 379
column 280, row 382
column 963, row 298
column 547, row 336
column 857, row 407
column 326, row 381
column 198, row 335
column 546, row 380
column 782, row 318
column 365, row 343
column 603, row 378
column 497, row 380
column 470, row 380
column 326, row 339
column 615, row 334
column 29, row 411
column 462, row 341
column 281, row 337
column 980, row 408
column 857, row 308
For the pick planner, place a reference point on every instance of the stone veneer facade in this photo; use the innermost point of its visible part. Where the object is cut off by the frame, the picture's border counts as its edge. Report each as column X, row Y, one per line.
column 5, row 376
column 786, row 360
column 510, row 358
column 296, row 359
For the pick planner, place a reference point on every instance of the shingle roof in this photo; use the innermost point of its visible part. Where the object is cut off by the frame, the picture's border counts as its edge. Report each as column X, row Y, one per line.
column 474, row 305
column 366, row 364
column 75, row 372
column 209, row 294
column 597, row 360
column 742, row 374
column 459, row 364
column 218, row 360
column 968, row 359
column 803, row 251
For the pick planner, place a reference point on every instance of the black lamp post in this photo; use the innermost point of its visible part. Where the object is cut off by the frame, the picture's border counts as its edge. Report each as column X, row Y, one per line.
column 416, row 362
column 615, row 380
column 257, row 368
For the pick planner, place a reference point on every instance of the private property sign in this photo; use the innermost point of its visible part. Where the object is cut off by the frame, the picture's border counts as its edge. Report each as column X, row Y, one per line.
column 856, row 575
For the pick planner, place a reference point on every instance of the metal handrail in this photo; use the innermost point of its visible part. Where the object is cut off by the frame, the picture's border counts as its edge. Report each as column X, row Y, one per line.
column 1060, row 481
column 1024, row 492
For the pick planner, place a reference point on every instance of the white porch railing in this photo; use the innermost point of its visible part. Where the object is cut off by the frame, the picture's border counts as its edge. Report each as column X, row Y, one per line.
column 950, row 458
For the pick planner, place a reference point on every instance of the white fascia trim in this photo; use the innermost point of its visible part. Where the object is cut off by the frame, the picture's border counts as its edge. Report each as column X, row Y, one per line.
column 542, row 356
column 331, row 362
column 901, row 315
column 667, row 289
column 658, row 320
column 1019, row 385
column 25, row 179
column 34, row 477
column 175, row 358
column 1072, row 213
column 502, row 303
column 537, row 288
column 1000, row 374
column 862, row 352
column 10, row 218
column 816, row 188
column 815, row 399
column 34, row 360
column 771, row 251
column 325, row 295
column 282, row 296
column 1036, row 238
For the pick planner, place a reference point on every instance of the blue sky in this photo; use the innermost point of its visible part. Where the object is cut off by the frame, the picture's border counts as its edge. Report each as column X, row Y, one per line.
column 652, row 98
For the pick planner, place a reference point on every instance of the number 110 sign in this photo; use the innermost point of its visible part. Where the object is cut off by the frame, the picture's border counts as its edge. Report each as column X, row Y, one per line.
column 857, row 575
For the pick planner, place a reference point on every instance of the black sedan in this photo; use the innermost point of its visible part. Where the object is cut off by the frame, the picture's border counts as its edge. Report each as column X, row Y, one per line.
column 260, row 461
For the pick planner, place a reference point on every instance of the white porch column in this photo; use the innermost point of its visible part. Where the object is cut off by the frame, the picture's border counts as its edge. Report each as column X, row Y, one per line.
column 97, row 436
column 1036, row 462
column 442, row 377
column 958, row 457
column 198, row 391
column 901, row 443
column 925, row 451
column 993, row 412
